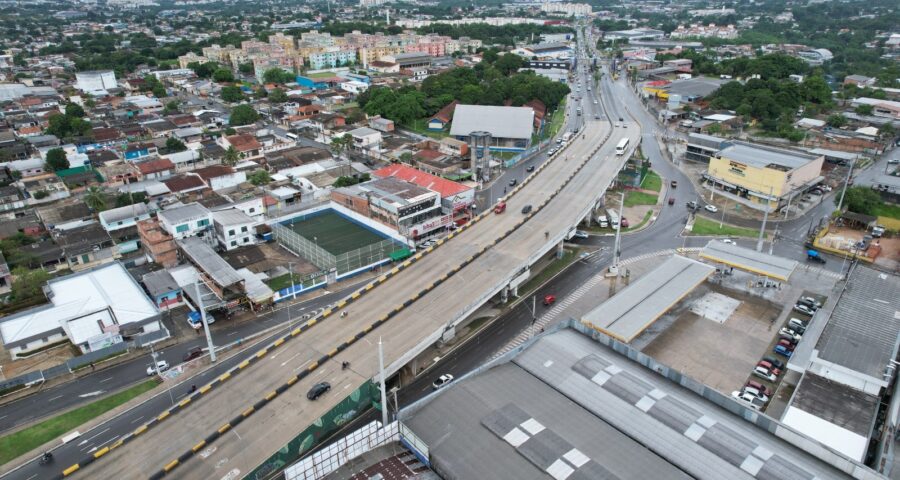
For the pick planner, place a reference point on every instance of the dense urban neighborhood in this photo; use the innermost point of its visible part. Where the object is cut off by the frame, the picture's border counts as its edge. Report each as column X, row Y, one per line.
column 445, row 239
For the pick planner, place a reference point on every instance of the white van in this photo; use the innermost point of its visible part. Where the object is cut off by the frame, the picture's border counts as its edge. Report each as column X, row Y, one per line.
column 602, row 221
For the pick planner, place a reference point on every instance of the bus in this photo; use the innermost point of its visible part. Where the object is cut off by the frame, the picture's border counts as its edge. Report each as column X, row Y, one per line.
column 622, row 146
column 613, row 217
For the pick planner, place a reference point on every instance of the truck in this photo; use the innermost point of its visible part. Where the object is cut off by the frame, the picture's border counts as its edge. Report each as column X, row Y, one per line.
column 566, row 137
column 602, row 221
column 814, row 256
column 613, row 218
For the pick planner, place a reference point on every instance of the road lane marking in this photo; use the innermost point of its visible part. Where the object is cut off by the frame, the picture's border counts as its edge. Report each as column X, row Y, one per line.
column 54, row 398
column 288, row 360
column 106, row 379
column 138, row 419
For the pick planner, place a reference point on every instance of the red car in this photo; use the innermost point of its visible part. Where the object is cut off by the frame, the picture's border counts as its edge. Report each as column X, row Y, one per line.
column 786, row 344
column 624, row 222
column 549, row 300
column 765, row 364
column 762, row 388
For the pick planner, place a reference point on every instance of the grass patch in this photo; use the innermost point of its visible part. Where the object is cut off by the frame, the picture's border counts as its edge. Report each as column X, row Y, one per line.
column 23, row 441
column 420, row 126
column 633, row 198
column 556, row 119
column 558, row 265
column 652, row 181
column 887, row 210
column 704, row 226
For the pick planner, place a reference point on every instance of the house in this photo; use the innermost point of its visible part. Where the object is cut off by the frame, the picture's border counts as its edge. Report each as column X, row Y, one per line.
column 442, row 118
column 880, row 108
column 185, row 183
column 43, row 188
column 220, row 177
column 188, row 134
column 234, row 228
column 160, row 128
column 158, row 245
column 92, row 309
column 381, row 124
column 366, row 140
column 10, row 199
column 452, row 146
column 186, row 221
column 118, row 174
column 156, row 169
column 456, row 198
column 163, row 289
column 124, row 217
column 86, row 246
column 247, row 145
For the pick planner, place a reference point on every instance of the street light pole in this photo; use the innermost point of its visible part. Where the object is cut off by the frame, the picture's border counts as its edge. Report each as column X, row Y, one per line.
column 762, row 228
column 209, row 342
column 846, row 183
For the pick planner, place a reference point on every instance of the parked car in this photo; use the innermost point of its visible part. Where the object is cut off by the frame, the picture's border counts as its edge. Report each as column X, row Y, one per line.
column 581, row 234
column 781, row 350
column 797, row 325
column 526, row 209
column 318, row 390
column 791, row 334
column 759, row 387
column 748, row 399
column 764, row 373
column 787, row 344
column 196, row 321
column 769, row 366
column 804, row 309
column 810, row 302
column 161, row 366
column 776, row 363
column 711, row 208
column 442, row 381
column 191, row 354
column 756, row 393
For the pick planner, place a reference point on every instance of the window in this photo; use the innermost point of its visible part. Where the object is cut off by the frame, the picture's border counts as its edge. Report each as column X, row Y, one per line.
column 246, row 239
column 233, row 243
column 244, row 229
column 85, row 258
column 231, row 233
column 202, row 223
column 181, row 228
column 73, row 260
column 252, row 210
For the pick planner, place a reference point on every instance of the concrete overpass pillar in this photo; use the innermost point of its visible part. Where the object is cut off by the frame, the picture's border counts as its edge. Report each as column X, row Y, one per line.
column 504, row 294
column 559, row 250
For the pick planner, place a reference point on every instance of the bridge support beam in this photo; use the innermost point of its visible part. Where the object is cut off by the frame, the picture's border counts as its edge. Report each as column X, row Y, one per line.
column 559, row 250
column 504, row 294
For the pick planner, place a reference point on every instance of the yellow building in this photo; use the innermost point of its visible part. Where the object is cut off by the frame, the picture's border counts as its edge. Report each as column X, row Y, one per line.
column 762, row 177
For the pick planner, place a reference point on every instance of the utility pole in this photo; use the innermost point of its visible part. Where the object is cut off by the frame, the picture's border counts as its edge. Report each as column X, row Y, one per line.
column 762, row 228
column 846, row 184
column 209, row 342
column 533, row 315
column 616, row 251
column 384, row 412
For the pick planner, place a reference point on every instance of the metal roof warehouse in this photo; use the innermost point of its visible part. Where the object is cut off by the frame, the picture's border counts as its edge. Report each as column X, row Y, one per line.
column 748, row 259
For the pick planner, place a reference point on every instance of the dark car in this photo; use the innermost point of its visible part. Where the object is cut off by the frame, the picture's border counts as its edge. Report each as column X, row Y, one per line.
column 191, row 354
column 775, row 362
column 692, row 205
column 318, row 390
column 526, row 209
column 513, row 182
column 530, row 168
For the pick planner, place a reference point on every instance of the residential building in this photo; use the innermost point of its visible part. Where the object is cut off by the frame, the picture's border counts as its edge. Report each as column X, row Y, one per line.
column 569, row 9
column 186, row 221
column 333, row 57
column 91, row 309
column 96, row 83
column 43, row 188
column 158, row 245
column 415, row 212
column 124, row 217
column 156, row 169
column 234, row 228
column 86, row 246
column 456, row 198
column 10, row 199
column 763, row 177
column 366, row 140
column 880, row 108
column 860, row 81
column 247, row 145
column 705, row 31
column 163, row 289
column 442, row 118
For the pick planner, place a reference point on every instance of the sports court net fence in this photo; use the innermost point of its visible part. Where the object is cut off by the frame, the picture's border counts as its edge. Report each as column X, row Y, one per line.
column 321, row 258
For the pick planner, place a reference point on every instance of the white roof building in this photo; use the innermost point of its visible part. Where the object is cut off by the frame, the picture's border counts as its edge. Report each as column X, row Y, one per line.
column 501, row 122
column 84, row 307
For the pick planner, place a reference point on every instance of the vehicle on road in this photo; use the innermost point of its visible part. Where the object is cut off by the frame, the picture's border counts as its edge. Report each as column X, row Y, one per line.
column 500, row 207
column 318, row 390
column 581, row 234
column 748, row 399
column 814, row 256
column 442, row 381
column 710, row 208
column 530, row 169
column 161, row 366
column 526, row 209
column 728, row 241
column 673, row 184
column 804, row 310
column 513, row 182
column 191, row 354
column 549, row 300
column 692, row 205
column 671, row 200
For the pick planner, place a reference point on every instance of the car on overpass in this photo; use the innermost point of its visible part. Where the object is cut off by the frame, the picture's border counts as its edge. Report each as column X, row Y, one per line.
column 160, row 366
column 442, row 381
column 318, row 390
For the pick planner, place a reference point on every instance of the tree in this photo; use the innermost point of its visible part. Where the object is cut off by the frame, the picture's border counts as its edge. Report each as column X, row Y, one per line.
column 204, row 70
column 232, row 94
column 159, row 91
column 861, row 200
column 64, row 126
column 243, row 115
column 246, row 68
column 277, row 95
column 339, row 144
column 230, row 131
column 130, row 198
column 172, row 107
column 277, row 75
column 864, row 109
column 74, row 110
column 836, row 120
column 95, row 199
column 259, row 177
column 56, row 160
column 231, row 157
column 175, row 145
column 223, row 75
column 28, row 283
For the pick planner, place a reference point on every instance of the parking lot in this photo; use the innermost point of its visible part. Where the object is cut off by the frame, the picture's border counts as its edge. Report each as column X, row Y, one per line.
column 720, row 355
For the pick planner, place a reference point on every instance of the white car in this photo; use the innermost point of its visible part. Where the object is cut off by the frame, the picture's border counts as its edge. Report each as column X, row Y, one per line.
column 711, row 208
column 442, row 381
column 748, row 399
column 161, row 365
column 804, row 310
column 728, row 241
column 580, row 234
column 792, row 334
column 756, row 393
column 764, row 373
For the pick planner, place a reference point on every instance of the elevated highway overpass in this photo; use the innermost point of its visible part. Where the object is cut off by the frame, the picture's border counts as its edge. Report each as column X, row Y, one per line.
column 412, row 309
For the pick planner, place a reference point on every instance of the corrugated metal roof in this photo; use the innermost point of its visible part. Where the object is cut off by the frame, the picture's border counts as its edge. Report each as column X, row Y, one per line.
column 632, row 310
column 501, row 122
column 748, row 259
column 210, row 262
column 761, row 157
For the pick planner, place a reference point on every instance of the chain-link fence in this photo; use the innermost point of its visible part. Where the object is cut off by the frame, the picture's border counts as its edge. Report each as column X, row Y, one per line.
column 365, row 256
column 302, row 247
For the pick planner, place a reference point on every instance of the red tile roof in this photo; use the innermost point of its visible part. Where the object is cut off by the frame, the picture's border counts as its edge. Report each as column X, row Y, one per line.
column 446, row 188
column 213, row 171
column 429, row 154
column 243, row 142
column 184, row 182
column 155, row 166
column 446, row 114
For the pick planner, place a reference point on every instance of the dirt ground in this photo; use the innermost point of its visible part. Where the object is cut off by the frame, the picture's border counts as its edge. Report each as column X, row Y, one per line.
column 38, row 361
column 718, row 355
column 843, row 238
column 266, row 257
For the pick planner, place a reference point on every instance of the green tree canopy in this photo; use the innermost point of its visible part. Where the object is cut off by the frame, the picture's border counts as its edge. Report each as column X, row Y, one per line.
column 56, row 160
column 65, row 126
column 277, row 75
column 223, row 75
column 277, row 95
column 259, row 177
column 861, row 200
column 28, row 283
column 836, row 120
column 243, row 115
column 74, row 110
column 232, row 156
column 204, row 70
column 175, row 145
